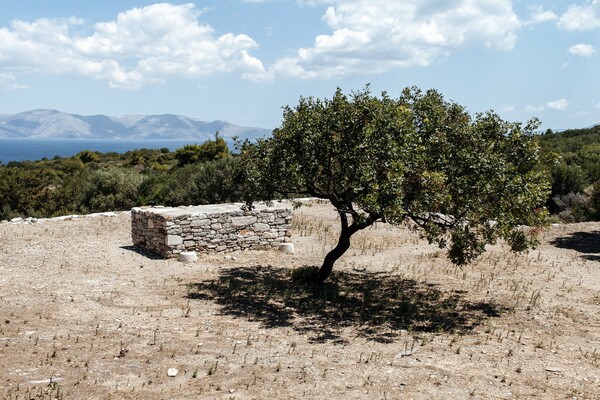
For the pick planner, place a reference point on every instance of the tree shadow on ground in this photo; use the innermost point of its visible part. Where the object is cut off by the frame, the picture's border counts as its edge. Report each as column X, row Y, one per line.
column 583, row 242
column 377, row 305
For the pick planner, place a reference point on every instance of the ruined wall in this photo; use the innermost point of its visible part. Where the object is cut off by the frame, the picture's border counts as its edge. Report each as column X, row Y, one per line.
column 211, row 228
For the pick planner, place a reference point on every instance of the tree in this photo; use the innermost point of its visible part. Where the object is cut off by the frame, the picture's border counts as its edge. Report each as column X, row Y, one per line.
column 463, row 181
column 209, row 182
column 87, row 156
column 567, row 179
column 209, row 150
column 112, row 190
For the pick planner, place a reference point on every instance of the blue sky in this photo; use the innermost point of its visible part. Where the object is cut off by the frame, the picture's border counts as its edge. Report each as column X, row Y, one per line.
column 242, row 60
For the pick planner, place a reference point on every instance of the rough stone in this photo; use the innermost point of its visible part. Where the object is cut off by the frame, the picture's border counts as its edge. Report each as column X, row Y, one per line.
column 173, row 240
column 261, row 227
column 188, row 256
column 243, row 221
column 287, row 248
column 172, row 372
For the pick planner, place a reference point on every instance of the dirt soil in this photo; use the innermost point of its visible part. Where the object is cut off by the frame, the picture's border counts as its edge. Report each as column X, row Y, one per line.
column 85, row 315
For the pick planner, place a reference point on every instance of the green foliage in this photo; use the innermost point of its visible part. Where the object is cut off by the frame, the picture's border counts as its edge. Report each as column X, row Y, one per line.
column 25, row 189
column 209, row 150
column 567, row 179
column 115, row 189
column 210, row 182
column 94, row 182
column 87, row 156
column 72, row 165
column 417, row 157
column 595, row 202
column 576, row 147
column 149, row 159
column 578, row 167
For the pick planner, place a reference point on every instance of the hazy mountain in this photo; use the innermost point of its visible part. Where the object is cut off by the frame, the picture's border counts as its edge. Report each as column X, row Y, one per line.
column 57, row 124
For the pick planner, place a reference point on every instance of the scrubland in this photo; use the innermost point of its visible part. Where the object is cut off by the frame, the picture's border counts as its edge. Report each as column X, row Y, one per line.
column 84, row 314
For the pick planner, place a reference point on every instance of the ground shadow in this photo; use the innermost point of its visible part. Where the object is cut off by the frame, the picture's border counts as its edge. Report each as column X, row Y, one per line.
column 583, row 242
column 143, row 252
column 378, row 306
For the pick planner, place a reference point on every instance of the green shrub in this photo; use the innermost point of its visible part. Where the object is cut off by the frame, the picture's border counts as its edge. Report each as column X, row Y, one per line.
column 112, row 190
column 595, row 202
column 207, row 151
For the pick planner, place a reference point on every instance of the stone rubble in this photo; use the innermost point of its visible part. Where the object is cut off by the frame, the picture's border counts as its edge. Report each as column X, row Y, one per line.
column 31, row 220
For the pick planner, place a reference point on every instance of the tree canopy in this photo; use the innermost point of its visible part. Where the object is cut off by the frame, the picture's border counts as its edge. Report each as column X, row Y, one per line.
column 209, row 150
column 463, row 180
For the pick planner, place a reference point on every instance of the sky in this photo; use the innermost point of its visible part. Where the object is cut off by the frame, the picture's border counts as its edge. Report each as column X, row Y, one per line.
column 241, row 61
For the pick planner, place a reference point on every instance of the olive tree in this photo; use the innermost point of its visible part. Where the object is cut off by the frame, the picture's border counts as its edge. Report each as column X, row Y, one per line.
column 463, row 180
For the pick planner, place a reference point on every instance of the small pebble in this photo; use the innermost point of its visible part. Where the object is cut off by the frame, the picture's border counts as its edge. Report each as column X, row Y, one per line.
column 172, row 372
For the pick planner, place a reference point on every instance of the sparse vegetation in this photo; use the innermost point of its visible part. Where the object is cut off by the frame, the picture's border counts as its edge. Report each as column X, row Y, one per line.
column 85, row 315
column 396, row 319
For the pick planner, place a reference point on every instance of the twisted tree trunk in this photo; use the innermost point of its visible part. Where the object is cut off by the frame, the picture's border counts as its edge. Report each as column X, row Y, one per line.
column 342, row 246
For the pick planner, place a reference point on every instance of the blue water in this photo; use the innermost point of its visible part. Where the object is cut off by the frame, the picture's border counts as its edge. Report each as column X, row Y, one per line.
column 36, row 149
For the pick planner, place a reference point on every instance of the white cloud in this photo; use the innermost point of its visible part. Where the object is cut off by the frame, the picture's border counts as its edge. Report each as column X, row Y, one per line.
column 507, row 109
column 539, row 15
column 8, row 82
column 582, row 50
column 581, row 17
column 558, row 105
column 533, row 109
column 597, row 106
column 141, row 46
column 379, row 35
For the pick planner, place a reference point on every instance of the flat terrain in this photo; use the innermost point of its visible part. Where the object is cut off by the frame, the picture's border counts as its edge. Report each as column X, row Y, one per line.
column 84, row 315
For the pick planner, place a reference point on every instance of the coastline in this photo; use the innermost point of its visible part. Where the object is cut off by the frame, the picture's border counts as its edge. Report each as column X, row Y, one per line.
column 32, row 149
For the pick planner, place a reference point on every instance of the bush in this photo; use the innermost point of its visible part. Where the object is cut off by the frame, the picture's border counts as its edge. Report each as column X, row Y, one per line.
column 207, row 151
column 210, row 182
column 87, row 156
column 571, row 200
column 112, row 190
column 567, row 179
column 594, row 203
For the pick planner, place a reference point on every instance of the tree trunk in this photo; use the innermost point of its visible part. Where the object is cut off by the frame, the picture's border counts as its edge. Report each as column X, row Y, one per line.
column 331, row 257
column 343, row 243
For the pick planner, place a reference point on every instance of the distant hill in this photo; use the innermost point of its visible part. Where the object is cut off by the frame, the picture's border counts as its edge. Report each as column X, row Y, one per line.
column 56, row 124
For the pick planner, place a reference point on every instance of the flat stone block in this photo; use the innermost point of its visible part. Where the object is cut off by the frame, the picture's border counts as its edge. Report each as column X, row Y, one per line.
column 173, row 240
column 200, row 222
column 243, row 221
column 187, row 256
column 261, row 227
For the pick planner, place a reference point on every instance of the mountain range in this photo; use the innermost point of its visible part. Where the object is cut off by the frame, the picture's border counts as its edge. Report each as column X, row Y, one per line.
column 49, row 124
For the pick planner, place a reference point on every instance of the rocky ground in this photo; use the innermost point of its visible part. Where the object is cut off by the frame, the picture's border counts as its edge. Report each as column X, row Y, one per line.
column 84, row 315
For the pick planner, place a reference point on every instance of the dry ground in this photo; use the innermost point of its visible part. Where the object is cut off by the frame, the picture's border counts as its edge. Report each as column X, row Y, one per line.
column 83, row 315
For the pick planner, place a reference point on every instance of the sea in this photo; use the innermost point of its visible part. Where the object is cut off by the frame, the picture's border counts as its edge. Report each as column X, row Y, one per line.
column 18, row 149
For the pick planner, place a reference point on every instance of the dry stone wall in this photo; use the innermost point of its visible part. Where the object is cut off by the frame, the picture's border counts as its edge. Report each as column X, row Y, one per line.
column 212, row 228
